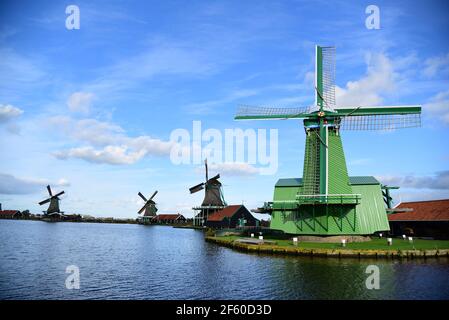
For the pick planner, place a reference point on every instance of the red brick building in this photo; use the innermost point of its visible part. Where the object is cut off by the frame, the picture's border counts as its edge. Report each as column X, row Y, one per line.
column 421, row 219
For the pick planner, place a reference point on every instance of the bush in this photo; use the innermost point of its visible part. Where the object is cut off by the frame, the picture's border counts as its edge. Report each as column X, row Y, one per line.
column 210, row 232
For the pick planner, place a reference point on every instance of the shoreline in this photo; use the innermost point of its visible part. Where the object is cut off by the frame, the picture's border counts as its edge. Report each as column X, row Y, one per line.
column 329, row 253
column 114, row 221
column 74, row 221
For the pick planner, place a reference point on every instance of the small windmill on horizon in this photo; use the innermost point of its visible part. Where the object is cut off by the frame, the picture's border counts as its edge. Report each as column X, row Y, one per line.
column 53, row 208
column 149, row 209
column 213, row 197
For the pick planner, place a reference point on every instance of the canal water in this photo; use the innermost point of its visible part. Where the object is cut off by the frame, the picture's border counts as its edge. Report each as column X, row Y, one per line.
column 119, row 261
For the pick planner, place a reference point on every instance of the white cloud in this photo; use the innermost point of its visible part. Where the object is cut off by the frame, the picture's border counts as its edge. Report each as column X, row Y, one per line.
column 381, row 79
column 232, row 168
column 97, row 133
column 10, row 184
column 109, row 154
column 369, row 90
column 8, row 112
column 439, row 181
column 438, row 107
column 107, row 142
column 63, row 182
column 420, row 195
column 436, row 65
column 80, row 102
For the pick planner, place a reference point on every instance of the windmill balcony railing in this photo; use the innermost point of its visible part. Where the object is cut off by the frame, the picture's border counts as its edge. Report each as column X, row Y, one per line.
column 316, row 199
column 208, row 207
column 329, row 198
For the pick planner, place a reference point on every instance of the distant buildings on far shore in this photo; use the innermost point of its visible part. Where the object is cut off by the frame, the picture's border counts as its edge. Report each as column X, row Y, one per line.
column 26, row 215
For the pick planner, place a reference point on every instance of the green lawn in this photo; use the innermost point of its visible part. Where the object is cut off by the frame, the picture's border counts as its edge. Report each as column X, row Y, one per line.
column 375, row 244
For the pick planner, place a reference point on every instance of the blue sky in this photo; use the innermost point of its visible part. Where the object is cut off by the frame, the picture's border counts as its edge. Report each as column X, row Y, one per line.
column 91, row 111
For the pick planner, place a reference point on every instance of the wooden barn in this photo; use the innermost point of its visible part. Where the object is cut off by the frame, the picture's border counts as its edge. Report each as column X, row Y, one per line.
column 421, row 219
column 231, row 217
column 10, row 214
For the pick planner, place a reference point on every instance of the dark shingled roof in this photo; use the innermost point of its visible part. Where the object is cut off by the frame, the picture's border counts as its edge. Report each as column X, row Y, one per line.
column 227, row 212
column 360, row 180
column 433, row 210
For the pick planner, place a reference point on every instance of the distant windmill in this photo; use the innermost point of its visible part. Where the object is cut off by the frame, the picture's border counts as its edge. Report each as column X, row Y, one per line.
column 149, row 208
column 53, row 208
column 213, row 197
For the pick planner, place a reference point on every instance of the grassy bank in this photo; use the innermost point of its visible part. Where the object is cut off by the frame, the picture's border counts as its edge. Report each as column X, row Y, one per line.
column 374, row 248
column 381, row 244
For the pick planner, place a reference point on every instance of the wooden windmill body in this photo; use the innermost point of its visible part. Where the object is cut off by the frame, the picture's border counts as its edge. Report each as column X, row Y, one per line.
column 213, row 198
column 53, row 210
column 149, row 209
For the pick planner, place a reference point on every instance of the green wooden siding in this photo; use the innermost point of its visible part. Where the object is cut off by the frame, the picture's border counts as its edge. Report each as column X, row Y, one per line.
column 311, row 173
column 373, row 215
column 338, row 173
column 364, row 218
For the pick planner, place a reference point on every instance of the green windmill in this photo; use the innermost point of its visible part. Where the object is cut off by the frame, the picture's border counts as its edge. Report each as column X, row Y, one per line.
column 326, row 201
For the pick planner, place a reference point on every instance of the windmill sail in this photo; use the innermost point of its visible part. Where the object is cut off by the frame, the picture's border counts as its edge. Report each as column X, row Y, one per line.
column 325, row 77
column 197, row 188
column 380, row 118
column 44, row 201
column 143, row 197
column 141, row 210
column 49, row 191
column 269, row 113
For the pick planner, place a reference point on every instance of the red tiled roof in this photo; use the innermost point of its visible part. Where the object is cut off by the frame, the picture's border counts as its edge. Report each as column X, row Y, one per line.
column 227, row 212
column 8, row 212
column 433, row 210
column 168, row 216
